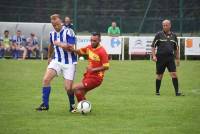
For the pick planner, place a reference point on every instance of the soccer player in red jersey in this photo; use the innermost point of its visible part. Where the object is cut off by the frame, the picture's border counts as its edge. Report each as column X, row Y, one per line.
column 98, row 63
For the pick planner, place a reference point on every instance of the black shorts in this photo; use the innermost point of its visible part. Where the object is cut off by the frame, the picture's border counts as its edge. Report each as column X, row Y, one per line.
column 163, row 62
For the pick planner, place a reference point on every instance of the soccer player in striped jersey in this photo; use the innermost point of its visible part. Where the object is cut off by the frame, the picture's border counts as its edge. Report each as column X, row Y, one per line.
column 19, row 42
column 63, row 62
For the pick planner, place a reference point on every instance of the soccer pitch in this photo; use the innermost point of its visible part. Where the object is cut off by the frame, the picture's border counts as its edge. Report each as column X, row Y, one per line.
column 124, row 104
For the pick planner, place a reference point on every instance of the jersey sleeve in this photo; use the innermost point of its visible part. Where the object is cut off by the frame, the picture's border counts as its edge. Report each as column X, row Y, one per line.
column 176, row 42
column 109, row 30
column 36, row 41
column 83, row 50
column 104, row 58
column 24, row 38
column 71, row 39
column 51, row 39
column 14, row 39
column 155, row 41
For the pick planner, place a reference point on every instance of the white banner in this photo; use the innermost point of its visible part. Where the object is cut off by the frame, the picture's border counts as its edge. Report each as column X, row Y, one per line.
column 140, row 45
column 113, row 45
column 192, row 46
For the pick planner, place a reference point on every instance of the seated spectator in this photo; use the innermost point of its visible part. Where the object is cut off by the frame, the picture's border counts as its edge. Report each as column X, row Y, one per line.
column 19, row 42
column 68, row 23
column 5, row 45
column 32, row 45
column 113, row 30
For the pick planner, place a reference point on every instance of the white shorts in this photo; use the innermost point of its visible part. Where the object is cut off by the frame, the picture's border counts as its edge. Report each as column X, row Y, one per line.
column 67, row 70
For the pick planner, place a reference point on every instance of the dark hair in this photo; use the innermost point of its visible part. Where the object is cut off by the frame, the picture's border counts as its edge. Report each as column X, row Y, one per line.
column 96, row 34
column 6, row 31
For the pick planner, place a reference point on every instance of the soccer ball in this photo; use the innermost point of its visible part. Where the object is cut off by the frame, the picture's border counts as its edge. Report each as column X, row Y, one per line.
column 84, row 107
column 81, row 58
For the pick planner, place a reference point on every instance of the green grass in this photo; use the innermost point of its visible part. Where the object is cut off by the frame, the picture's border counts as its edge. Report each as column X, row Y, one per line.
column 124, row 104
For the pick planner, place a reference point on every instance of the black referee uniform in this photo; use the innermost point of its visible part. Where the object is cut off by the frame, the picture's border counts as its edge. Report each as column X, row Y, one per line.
column 167, row 45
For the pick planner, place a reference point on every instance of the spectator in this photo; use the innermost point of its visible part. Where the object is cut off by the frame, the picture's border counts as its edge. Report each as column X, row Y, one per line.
column 19, row 42
column 113, row 30
column 68, row 23
column 5, row 44
column 32, row 45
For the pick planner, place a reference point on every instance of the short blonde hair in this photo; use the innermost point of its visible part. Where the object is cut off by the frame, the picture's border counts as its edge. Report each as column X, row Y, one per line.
column 55, row 16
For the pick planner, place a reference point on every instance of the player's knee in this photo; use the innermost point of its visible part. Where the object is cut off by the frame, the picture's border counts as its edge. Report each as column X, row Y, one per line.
column 68, row 88
column 159, row 76
column 173, row 75
column 46, row 81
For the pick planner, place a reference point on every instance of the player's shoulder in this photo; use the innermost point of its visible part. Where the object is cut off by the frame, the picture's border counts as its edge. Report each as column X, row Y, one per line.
column 159, row 33
column 102, row 49
column 174, row 34
column 69, row 31
column 52, row 32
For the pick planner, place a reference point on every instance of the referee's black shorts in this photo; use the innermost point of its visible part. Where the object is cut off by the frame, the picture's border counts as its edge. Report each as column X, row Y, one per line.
column 163, row 62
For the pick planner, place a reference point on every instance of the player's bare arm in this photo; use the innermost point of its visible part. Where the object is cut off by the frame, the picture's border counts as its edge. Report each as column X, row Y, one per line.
column 97, row 69
column 177, row 56
column 64, row 46
column 50, row 52
column 154, row 58
column 77, row 51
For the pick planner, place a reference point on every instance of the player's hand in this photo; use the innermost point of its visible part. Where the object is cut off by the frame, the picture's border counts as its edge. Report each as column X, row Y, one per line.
column 49, row 60
column 154, row 58
column 177, row 62
column 57, row 43
column 70, row 48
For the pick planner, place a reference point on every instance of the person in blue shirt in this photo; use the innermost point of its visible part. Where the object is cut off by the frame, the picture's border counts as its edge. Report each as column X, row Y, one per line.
column 19, row 42
column 33, row 45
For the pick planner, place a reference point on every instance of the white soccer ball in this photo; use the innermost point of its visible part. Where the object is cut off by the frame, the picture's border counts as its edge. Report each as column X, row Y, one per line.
column 81, row 58
column 84, row 107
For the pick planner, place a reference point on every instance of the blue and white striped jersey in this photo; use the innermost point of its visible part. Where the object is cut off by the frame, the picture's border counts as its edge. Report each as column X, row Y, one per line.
column 66, row 35
column 19, row 40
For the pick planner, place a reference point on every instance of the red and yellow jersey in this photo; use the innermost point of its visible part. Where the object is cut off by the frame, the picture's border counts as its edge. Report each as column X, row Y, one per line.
column 97, row 57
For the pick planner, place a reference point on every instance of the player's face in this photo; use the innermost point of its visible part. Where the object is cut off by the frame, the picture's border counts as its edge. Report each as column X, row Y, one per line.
column 67, row 20
column 166, row 26
column 6, row 34
column 56, row 22
column 18, row 33
column 114, row 24
column 95, row 40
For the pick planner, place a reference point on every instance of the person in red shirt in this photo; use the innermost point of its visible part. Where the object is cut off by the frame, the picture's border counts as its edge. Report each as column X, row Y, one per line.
column 98, row 63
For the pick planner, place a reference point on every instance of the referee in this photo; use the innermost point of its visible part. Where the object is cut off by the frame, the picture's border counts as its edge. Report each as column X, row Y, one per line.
column 167, row 50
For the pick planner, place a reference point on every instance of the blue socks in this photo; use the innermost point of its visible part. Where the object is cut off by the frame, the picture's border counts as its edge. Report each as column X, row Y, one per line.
column 45, row 98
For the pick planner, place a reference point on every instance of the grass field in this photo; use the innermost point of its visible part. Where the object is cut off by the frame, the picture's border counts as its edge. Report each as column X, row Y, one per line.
column 124, row 104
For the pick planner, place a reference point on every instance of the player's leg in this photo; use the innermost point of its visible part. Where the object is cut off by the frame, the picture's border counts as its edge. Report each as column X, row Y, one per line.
column 160, row 69
column 1, row 51
column 86, row 85
column 69, row 74
column 80, row 91
column 37, row 51
column 25, row 53
column 171, row 66
column 46, row 89
column 18, row 51
column 70, row 94
column 14, row 51
column 51, row 72
column 23, row 49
